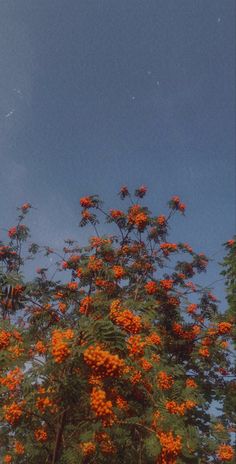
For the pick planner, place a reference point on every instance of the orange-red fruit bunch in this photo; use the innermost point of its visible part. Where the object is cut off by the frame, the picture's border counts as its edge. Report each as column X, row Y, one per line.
column 60, row 348
column 125, row 319
column 171, row 447
column 99, row 404
column 225, row 452
column 165, row 381
column 103, row 362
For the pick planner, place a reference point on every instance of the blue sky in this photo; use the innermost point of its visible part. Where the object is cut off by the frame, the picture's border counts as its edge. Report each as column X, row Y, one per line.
column 99, row 93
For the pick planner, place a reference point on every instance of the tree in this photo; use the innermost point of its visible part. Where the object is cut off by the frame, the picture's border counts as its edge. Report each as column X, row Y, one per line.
column 120, row 359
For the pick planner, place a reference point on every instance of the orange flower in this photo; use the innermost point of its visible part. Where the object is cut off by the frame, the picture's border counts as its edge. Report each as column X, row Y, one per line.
column 225, row 452
column 171, row 446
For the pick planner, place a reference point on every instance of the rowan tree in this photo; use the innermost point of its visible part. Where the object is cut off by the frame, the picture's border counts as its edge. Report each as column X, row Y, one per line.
column 117, row 355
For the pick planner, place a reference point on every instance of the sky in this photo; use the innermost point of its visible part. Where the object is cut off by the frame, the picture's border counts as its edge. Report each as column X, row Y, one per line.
column 95, row 94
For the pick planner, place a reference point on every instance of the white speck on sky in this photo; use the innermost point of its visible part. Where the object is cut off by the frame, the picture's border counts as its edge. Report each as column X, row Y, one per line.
column 8, row 115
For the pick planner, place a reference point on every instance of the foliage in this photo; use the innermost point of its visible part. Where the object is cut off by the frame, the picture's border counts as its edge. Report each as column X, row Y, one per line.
column 120, row 359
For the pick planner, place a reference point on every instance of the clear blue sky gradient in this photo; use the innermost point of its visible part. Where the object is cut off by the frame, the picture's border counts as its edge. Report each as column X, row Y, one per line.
column 99, row 93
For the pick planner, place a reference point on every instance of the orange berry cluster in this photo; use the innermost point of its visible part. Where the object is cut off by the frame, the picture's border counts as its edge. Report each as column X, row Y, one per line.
column 40, row 347
column 7, row 458
column 165, row 381
column 161, row 220
column 168, row 248
column 12, row 412
column 12, row 379
column 171, row 447
column 19, row 448
column 153, row 339
column 135, row 345
column 166, row 284
column 85, row 305
column 99, row 404
column 151, row 287
column 121, row 403
column 4, row 339
column 87, row 448
column 106, row 445
column 40, row 435
column 225, row 452
column 60, row 349
column 42, row 404
column 180, row 409
column 119, row 272
column 103, row 362
column 190, row 383
column 125, row 319
column 186, row 334
column 137, row 217
column 95, row 264
column 224, row 328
